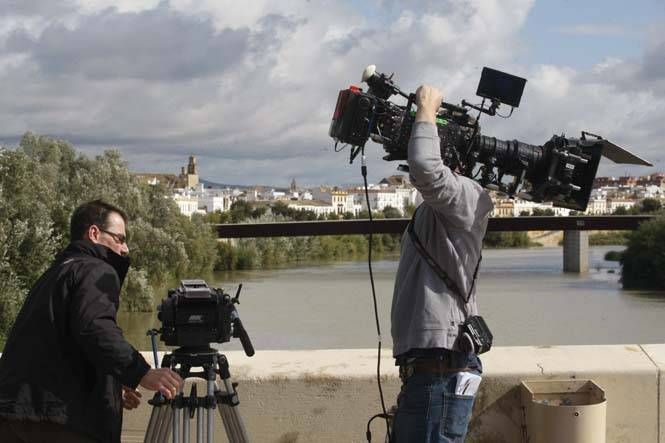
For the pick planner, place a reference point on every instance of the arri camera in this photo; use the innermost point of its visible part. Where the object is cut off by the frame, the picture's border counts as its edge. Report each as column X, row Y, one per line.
column 194, row 315
column 560, row 171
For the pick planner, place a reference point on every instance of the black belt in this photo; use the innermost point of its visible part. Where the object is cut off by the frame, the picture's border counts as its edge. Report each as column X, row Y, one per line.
column 429, row 367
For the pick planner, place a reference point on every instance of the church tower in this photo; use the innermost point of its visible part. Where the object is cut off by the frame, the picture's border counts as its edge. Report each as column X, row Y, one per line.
column 192, row 173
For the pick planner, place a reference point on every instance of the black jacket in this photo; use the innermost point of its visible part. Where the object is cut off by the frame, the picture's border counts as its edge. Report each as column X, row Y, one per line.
column 65, row 360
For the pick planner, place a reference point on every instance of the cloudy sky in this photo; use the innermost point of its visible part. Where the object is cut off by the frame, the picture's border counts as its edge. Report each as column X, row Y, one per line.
column 249, row 86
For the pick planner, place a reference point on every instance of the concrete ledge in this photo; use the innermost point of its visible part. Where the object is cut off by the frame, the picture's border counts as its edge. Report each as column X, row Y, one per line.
column 657, row 354
column 328, row 395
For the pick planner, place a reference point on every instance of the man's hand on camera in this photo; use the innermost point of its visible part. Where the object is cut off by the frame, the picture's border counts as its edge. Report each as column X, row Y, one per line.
column 163, row 380
column 428, row 100
column 131, row 398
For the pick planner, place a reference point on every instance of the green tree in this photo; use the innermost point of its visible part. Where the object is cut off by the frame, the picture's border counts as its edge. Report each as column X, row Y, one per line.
column 409, row 209
column 643, row 260
column 240, row 210
column 227, row 256
column 390, row 212
column 539, row 212
column 506, row 240
column 259, row 211
column 137, row 294
column 650, row 205
column 280, row 208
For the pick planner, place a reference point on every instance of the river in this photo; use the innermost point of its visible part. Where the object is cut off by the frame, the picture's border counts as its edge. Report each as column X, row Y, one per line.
column 523, row 294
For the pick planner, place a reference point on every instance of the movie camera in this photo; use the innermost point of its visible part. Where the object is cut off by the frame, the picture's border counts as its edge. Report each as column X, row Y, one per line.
column 194, row 315
column 560, row 171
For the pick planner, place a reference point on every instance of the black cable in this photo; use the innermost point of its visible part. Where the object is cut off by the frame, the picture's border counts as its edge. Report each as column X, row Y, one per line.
column 473, row 135
column 368, row 433
column 506, row 116
column 363, row 170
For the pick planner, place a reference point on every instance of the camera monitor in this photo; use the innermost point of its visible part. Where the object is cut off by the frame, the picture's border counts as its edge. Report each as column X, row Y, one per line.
column 497, row 85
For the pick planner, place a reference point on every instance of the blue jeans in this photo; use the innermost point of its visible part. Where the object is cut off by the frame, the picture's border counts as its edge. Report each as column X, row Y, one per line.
column 429, row 411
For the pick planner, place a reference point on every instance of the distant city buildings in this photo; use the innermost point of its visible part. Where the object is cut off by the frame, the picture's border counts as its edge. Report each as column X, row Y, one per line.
column 191, row 196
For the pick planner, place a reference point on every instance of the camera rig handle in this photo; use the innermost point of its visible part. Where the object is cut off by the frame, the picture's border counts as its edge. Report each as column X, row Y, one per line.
column 240, row 332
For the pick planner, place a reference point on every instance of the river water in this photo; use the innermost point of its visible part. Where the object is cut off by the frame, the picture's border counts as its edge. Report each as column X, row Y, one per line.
column 523, row 294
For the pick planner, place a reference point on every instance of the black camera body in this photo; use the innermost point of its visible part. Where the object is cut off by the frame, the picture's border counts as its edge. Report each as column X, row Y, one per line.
column 195, row 315
column 475, row 336
column 560, row 171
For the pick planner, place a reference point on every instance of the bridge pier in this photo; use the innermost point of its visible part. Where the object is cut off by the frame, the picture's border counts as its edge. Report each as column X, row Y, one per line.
column 576, row 251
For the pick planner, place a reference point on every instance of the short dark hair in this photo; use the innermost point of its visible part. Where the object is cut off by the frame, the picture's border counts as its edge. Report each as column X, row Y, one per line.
column 95, row 212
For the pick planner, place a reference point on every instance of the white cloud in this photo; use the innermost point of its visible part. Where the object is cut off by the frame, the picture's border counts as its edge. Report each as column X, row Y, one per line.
column 250, row 87
column 94, row 6
column 552, row 82
column 594, row 29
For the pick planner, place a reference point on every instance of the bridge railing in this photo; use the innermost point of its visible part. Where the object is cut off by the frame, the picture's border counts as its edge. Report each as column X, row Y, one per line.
column 397, row 226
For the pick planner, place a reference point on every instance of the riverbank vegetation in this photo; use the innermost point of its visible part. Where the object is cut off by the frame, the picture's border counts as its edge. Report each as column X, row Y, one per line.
column 264, row 253
column 643, row 260
column 613, row 255
column 43, row 180
column 271, row 252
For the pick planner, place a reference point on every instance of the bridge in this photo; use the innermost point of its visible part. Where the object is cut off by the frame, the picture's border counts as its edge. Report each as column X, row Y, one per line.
column 575, row 241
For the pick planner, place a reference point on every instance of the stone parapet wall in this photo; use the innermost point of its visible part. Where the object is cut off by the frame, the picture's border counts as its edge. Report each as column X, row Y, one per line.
column 328, row 395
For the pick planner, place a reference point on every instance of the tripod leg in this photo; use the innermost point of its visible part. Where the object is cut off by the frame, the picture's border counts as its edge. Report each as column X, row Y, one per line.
column 177, row 413
column 153, row 425
column 210, row 412
column 230, row 415
column 163, row 429
column 185, row 425
column 199, row 424
column 157, row 426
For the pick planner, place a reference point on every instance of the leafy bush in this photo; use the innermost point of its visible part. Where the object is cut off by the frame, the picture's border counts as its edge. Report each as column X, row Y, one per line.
column 643, row 260
column 506, row 240
column 613, row 255
column 608, row 238
column 137, row 294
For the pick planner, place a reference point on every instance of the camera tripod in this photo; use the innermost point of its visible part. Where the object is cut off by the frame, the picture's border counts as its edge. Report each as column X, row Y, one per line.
column 167, row 415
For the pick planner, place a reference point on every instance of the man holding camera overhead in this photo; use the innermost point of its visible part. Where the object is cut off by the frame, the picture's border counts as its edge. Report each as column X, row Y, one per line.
column 67, row 371
column 434, row 296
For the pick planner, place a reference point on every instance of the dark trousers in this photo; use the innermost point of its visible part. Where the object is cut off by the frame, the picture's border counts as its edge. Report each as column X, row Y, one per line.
column 24, row 431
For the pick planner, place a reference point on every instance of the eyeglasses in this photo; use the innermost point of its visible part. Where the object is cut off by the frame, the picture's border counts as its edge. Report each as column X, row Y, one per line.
column 121, row 239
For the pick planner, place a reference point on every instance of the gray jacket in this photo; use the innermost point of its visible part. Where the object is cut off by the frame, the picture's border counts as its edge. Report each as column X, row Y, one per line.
column 451, row 224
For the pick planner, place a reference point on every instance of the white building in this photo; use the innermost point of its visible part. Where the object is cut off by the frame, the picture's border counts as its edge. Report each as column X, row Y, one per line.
column 505, row 207
column 316, row 206
column 380, row 199
column 187, row 204
column 215, row 202
column 653, row 191
column 597, row 206
column 276, row 195
column 254, row 194
column 344, row 202
column 616, row 203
